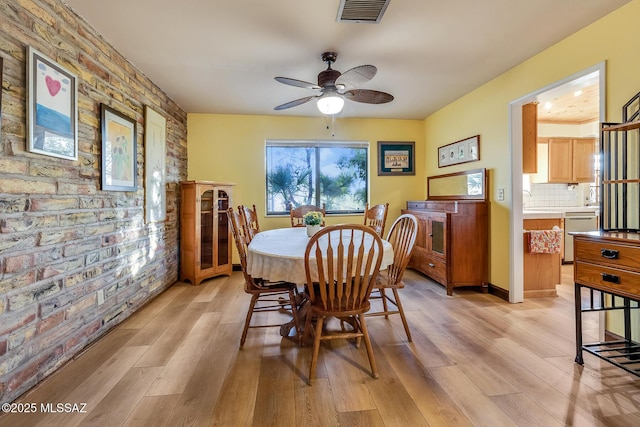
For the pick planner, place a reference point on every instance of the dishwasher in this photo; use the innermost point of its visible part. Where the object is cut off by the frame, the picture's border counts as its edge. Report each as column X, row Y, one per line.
column 577, row 221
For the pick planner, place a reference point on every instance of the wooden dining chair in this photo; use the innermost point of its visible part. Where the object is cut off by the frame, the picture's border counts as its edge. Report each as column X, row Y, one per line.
column 297, row 214
column 376, row 217
column 249, row 221
column 341, row 264
column 265, row 296
column 402, row 237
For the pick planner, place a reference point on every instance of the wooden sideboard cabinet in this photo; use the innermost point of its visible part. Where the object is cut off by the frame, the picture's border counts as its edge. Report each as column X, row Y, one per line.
column 607, row 264
column 452, row 242
column 205, row 236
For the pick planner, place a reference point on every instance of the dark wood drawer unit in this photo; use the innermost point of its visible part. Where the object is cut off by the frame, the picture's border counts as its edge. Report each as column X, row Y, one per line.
column 608, row 265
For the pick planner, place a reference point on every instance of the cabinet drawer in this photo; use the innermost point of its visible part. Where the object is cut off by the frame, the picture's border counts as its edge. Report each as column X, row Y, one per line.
column 433, row 267
column 619, row 281
column 607, row 253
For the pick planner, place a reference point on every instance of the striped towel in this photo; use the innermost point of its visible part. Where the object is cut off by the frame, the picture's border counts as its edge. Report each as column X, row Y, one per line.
column 545, row 241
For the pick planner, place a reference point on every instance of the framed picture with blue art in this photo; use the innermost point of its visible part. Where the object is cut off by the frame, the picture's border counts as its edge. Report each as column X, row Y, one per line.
column 119, row 151
column 52, row 113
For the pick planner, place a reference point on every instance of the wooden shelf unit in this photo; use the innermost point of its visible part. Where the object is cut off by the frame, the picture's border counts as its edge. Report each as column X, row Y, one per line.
column 607, row 264
column 205, row 236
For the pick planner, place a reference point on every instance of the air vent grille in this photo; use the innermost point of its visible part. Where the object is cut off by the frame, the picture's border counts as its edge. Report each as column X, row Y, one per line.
column 362, row 10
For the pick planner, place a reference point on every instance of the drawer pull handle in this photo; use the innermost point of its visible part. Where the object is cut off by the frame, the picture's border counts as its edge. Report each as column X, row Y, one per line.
column 431, row 264
column 610, row 278
column 609, row 253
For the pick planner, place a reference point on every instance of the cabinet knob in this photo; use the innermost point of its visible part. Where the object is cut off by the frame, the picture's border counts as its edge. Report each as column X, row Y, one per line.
column 609, row 253
column 431, row 264
column 430, row 234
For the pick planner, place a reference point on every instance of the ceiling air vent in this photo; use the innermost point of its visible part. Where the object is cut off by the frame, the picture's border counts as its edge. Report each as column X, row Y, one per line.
column 362, row 10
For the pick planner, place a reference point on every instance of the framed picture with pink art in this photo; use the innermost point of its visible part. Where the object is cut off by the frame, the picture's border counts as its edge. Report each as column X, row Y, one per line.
column 119, row 151
column 52, row 110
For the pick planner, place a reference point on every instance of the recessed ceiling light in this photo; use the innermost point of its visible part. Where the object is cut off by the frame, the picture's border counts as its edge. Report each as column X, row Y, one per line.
column 547, row 105
column 577, row 93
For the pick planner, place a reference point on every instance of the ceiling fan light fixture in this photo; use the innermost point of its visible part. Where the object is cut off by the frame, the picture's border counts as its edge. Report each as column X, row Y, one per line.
column 330, row 103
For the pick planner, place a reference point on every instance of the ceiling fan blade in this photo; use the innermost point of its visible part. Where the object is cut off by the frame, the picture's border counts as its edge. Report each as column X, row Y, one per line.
column 297, row 83
column 368, row 96
column 356, row 76
column 295, row 103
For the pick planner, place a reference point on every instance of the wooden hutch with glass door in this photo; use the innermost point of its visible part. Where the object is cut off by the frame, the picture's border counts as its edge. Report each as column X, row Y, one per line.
column 452, row 246
column 205, row 236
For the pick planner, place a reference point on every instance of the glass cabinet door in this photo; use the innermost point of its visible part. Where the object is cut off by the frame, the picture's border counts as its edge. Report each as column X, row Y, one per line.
column 224, row 256
column 437, row 236
column 206, row 229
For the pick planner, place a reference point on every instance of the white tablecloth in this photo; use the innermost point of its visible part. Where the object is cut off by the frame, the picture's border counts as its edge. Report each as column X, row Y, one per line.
column 279, row 255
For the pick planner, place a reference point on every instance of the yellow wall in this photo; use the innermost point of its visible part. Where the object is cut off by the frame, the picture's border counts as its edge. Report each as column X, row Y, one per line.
column 485, row 111
column 231, row 148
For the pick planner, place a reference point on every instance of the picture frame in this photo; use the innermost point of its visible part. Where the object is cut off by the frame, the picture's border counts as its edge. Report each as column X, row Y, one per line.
column 52, row 110
column 396, row 158
column 463, row 151
column 155, row 149
column 119, row 151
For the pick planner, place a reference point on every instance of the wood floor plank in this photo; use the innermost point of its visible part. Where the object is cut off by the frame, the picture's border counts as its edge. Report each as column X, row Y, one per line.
column 275, row 400
column 171, row 336
column 476, row 405
column 237, row 401
column 152, row 411
column 474, row 360
column 198, row 400
column 394, row 403
column 97, row 385
column 116, row 406
column 433, row 402
column 519, row 407
column 176, row 373
column 314, row 404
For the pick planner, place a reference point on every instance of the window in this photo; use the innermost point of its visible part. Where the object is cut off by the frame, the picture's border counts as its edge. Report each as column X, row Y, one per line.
column 317, row 173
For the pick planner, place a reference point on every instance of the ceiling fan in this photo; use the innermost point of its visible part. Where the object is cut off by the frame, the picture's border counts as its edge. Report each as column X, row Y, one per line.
column 334, row 87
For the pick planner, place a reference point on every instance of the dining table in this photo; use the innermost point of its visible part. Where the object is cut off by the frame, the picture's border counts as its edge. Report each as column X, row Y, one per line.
column 278, row 255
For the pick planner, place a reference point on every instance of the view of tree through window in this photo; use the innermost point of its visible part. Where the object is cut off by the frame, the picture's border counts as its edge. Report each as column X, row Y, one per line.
column 316, row 173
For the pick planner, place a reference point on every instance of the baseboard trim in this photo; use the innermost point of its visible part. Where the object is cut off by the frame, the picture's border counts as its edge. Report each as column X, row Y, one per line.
column 499, row 292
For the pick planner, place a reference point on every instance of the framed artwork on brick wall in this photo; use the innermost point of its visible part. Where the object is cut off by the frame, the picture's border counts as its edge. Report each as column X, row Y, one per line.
column 52, row 111
column 119, row 151
column 155, row 152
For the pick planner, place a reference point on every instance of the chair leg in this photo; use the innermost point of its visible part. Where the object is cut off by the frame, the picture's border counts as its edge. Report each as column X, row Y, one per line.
column 252, row 304
column 385, row 308
column 316, row 348
column 402, row 316
column 367, row 344
column 294, row 313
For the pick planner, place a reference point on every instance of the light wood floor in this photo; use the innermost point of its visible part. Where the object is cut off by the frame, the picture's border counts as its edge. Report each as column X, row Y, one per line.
column 475, row 360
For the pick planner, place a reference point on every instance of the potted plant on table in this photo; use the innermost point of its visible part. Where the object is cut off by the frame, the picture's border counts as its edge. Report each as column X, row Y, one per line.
column 312, row 220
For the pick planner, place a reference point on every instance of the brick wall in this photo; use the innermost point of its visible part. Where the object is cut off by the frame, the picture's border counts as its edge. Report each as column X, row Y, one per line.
column 63, row 239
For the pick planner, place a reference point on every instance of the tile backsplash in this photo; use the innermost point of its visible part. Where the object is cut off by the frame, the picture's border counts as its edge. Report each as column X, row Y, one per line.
column 557, row 195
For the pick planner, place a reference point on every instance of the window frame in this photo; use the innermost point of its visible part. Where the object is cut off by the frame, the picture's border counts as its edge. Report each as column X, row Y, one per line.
column 317, row 145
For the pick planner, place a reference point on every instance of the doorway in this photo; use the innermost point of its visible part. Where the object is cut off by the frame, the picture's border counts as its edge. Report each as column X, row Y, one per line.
column 516, row 284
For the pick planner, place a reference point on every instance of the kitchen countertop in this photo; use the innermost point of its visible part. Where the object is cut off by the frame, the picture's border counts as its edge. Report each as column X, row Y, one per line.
column 557, row 212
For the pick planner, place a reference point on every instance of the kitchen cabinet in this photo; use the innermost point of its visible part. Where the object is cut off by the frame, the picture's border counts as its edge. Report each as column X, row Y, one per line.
column 541, row 271
column 530, row 138
column 571, row 160
column 205, row 235
column 565, row 160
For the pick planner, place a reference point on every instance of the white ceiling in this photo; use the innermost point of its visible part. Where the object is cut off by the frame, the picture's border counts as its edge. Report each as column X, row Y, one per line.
column 215, row 56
